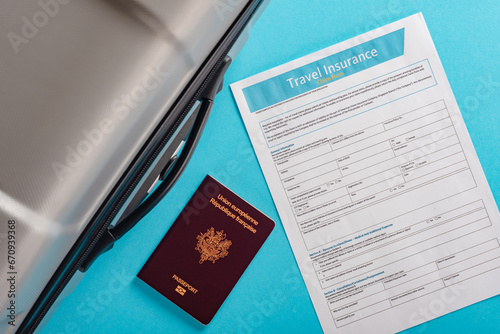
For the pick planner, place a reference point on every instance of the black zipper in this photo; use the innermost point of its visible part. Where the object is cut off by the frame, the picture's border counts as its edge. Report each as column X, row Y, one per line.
column 32, row 327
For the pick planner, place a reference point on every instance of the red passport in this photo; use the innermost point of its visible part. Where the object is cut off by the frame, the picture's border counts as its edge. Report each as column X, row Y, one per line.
column 207, row 249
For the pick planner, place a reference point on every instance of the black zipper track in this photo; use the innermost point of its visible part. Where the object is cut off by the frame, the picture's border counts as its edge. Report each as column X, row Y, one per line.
column 62, row 284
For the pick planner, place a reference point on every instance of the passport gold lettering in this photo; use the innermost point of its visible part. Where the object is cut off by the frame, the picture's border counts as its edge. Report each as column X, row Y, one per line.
column 244, row 214
column 184, row 284
column 245, row 225
column 231, row 214
column 222, row 208
column 224, row 200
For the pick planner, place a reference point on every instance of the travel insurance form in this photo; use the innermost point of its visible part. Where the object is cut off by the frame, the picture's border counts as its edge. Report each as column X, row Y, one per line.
column 376, row 180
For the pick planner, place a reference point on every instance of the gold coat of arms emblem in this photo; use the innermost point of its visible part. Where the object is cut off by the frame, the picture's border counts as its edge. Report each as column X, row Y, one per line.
column 212, row 245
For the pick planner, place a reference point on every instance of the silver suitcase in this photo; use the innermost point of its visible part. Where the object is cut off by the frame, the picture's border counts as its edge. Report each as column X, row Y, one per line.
column 102, row 103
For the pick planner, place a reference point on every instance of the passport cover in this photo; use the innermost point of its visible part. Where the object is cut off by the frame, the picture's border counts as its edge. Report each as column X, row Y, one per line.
column 207, row 249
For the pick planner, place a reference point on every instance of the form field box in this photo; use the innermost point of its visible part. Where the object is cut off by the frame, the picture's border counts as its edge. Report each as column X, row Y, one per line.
column 416, row 293
column 323, row 208
column 308, row 194
column 468, row 253
column 312, row 172
column 435, row 130
column 428, row 144
column 357, row 303
column 470, row 263
column 490, row 265
column 306, row 165
column 363, row 313
column 293, row 188
column 430, row 172
column 367, row 163
column 411, row 275
column 374, row 179
column 389, row 183
column 339, row 143
column 432, row 157
column 432, row 121
column 364, row 153
column 322, row 199
column 304, row 156
column 355, row 295
column 414, row 114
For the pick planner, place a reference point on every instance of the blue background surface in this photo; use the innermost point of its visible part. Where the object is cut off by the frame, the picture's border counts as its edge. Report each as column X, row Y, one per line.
column 110, row 300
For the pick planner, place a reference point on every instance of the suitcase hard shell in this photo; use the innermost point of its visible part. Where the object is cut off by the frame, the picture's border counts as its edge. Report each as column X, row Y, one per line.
column 100, row 100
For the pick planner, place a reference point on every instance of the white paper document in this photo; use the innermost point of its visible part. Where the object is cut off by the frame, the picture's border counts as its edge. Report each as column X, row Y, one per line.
column 376, row 180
